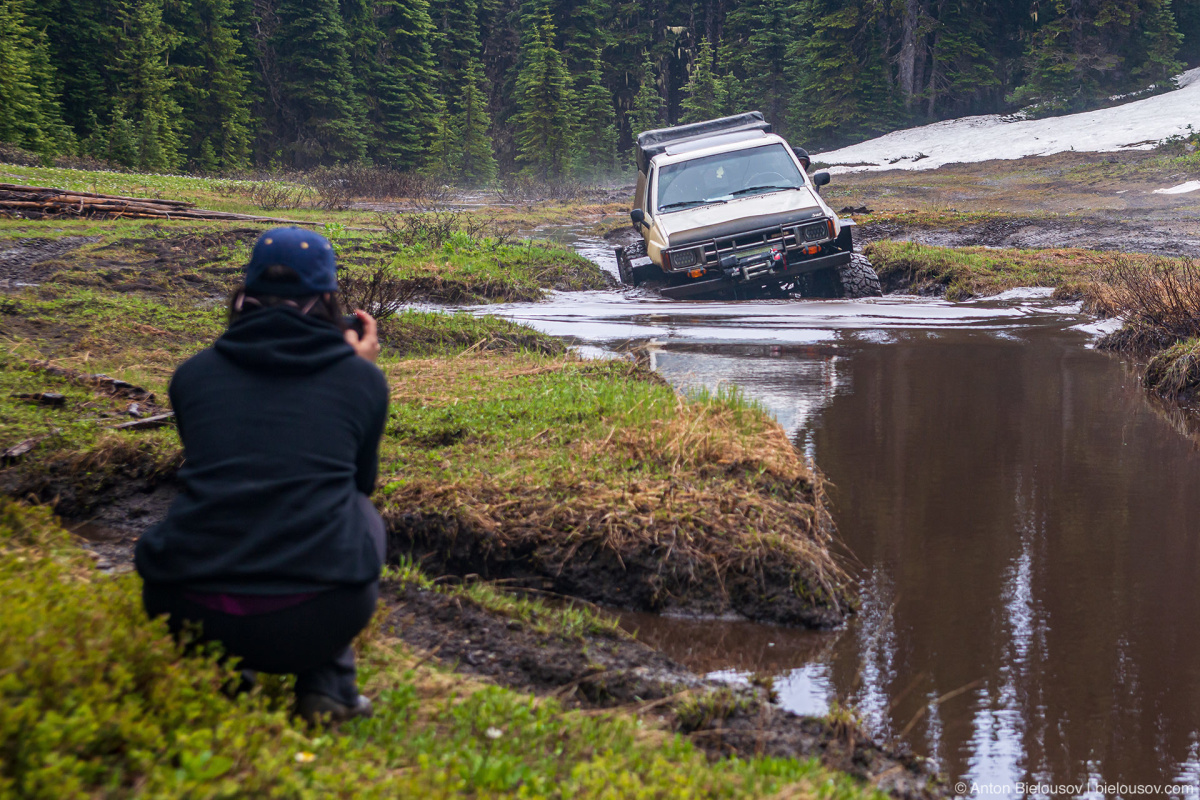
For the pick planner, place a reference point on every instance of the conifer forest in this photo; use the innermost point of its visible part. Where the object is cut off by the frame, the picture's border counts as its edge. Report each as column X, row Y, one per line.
column 470, row 90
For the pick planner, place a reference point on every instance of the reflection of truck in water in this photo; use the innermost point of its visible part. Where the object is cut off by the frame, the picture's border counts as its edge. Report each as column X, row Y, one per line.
column 725, row 208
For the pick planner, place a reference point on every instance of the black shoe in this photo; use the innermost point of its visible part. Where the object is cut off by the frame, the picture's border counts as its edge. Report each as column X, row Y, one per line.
column 247, row 681
column 317, row 709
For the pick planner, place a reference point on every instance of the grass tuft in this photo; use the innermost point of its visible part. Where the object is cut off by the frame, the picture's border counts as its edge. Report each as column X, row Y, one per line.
column 1175, row 372
column 560, row 468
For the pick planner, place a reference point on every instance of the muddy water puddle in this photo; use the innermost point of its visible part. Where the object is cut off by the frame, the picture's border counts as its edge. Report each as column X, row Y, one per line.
column 1024, row 525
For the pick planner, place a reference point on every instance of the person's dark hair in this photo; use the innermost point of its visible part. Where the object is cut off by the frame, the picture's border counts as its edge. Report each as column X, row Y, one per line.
column 325, row 307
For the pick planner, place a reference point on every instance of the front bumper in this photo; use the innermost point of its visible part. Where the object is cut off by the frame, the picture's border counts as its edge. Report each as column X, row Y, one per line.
column 726, row 283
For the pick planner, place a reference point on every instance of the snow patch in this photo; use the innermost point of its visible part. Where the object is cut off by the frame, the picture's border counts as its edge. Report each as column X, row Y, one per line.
column 1100, row 328
column 1139, row 125
column 1182, row 188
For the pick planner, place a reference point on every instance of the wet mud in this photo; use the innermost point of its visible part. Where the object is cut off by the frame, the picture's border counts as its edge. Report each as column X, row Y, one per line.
column 642, row 576
column 1104, row 232
column 31, row 261
column 607, row 672
column 591, row 672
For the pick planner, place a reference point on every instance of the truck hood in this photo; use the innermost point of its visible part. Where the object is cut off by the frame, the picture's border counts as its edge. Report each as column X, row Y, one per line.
column 740, row 214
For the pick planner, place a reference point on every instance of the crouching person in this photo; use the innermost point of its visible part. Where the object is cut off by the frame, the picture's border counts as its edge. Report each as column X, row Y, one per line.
column 272, row 547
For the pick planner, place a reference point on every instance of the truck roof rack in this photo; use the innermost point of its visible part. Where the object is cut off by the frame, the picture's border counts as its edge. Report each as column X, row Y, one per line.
column 652, row 143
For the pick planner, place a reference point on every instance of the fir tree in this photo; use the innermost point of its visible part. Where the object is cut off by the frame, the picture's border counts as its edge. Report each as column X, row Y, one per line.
column 30, row 115
column 704, row 92
column 212, row 84
column 1156, row 50
column 648, row 104
column 121, row 146
column 597, row 142
column 81, row 46
column 1084, row 50
column 322, row 117
column 843, row 93
column 144, row 85
column 403, row 84
column 455, row 42
column 961, row 67
column 544, row 119
column 473, row 161
column 755, row 49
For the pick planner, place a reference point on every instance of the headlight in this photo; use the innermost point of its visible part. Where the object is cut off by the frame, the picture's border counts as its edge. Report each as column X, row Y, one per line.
column 683, row 259
column 814, row 232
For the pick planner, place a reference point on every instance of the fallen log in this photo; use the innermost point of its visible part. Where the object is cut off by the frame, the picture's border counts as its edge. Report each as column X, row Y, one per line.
column 16, row 187
column 40, row 202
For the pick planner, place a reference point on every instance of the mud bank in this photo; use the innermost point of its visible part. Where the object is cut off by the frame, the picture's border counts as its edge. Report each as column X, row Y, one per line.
column 525, row 645
column 614, row 671
column 1126, row 233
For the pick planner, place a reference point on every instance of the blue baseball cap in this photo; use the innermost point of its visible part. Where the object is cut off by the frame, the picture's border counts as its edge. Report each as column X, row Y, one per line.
column 305, row 252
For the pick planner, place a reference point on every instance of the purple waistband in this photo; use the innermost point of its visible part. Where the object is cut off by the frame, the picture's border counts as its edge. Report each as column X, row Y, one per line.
column 244, row 605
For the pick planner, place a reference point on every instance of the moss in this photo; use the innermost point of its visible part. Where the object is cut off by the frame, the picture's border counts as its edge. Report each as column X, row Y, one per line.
column 96, row 701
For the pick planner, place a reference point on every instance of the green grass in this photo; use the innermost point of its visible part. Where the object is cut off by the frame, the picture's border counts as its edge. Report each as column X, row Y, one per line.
column 965, row 272
column 178, row 258
column 530, row 453
column 96, row 701
column 465, row 268
column 445, row 333
column 235, row 195
column 567, row 620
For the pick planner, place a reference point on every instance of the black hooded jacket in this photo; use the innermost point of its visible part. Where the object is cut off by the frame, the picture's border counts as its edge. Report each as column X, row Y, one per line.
column 280, row 422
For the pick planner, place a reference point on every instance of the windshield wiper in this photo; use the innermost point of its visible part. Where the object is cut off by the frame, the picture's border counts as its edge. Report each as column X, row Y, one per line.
column 761, row 189
column 689, row 204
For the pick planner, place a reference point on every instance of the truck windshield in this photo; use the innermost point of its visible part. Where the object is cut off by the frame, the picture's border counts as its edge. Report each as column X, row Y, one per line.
column 724, row 176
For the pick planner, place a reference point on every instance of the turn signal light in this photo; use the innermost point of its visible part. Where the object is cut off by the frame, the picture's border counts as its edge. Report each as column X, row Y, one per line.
column 812, row 249
column 696, row 273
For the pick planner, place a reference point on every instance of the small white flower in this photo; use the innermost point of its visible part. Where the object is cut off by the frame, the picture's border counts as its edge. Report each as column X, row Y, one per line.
column 305, row 757
column 493, row 733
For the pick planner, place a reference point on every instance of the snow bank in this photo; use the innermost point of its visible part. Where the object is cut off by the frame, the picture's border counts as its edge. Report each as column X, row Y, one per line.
column 1134, row 126
column 1182, row 188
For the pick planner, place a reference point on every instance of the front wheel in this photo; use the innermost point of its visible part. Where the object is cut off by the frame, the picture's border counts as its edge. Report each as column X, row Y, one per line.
column 858, row 278
column 625, row 267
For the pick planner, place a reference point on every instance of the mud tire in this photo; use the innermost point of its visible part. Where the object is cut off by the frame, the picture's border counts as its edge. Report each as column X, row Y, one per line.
column 858, row 278
column 624, row 267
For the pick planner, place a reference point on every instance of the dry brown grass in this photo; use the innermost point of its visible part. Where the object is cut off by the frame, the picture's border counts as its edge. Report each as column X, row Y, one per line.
column 662, row 502
column 1158, row 298
column 1175, row 372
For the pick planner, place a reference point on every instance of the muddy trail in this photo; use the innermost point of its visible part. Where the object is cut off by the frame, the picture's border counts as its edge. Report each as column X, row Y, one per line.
column 1112, row 231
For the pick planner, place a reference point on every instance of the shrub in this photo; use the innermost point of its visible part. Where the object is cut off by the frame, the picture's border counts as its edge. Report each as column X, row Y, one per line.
column 1159, row 299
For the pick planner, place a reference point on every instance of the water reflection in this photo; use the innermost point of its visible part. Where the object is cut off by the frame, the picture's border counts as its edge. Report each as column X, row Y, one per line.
column 1023, row 523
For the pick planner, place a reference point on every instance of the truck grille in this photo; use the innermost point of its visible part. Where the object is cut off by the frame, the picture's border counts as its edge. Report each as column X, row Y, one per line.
column 777, row 237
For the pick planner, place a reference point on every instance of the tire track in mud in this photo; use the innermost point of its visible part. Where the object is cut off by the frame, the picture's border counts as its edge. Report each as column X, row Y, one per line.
column 1181, row 239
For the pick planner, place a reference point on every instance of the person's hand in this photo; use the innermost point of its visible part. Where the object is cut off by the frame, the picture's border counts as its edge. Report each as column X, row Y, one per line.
column 367, row 346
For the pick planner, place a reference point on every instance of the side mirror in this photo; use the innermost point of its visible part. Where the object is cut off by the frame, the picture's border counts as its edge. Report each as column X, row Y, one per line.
column 820, row 179
column 638, row 216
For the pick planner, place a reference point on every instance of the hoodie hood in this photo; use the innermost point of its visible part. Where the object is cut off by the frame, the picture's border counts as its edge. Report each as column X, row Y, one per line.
column 282, row 341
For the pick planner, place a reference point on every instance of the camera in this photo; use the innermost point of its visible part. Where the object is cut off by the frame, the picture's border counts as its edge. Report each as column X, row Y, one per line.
column 353, row 323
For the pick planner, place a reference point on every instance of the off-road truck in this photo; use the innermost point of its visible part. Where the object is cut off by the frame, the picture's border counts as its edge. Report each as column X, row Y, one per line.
column 725, row 208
